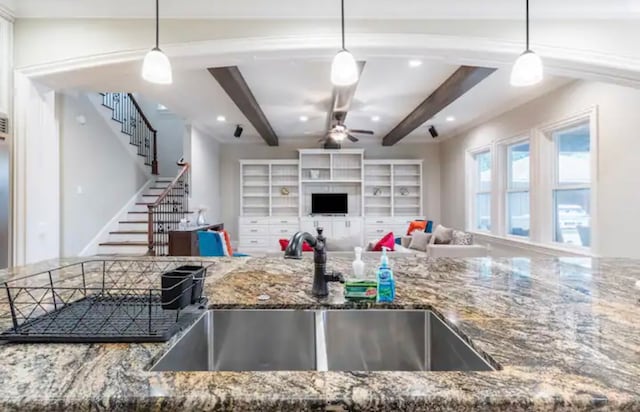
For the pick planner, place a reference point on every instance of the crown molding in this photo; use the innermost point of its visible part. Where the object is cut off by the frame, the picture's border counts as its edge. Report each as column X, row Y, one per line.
column 461, row 50
column 7, row 14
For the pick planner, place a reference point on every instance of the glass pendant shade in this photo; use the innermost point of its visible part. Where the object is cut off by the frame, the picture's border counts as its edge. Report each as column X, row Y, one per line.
column 157, row 67
column 344, row 70
column 527, row 70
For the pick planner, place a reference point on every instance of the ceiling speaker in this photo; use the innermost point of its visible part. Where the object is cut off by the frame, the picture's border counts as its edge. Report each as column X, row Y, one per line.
column 238, row 132
column 433, row 132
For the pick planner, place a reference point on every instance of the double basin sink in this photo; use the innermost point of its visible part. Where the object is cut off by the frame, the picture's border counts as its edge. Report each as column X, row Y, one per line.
column 321, row 340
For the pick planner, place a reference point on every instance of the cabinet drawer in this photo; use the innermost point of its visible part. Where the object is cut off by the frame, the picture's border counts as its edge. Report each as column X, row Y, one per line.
column 280, row 221
column 254, row 221
column 253, row 242
column 378, row 232
column 283, row 231
column 377, row 221
column 254, row 230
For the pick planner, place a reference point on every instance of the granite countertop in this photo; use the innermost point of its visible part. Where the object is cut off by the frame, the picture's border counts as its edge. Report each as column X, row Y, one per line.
column 565, row 333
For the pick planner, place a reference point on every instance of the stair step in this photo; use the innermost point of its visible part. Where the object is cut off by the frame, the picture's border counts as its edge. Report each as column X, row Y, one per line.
column 158, row 195
column 170, row 213
column 137, row 222
column 130, row 232
column 130, row 243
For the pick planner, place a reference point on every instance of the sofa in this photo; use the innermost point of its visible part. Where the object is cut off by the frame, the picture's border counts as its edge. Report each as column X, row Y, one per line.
column 444, row 242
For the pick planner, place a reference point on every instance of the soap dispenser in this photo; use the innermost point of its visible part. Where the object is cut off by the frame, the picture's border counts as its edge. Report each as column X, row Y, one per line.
column 386, row 284
column 358, row 264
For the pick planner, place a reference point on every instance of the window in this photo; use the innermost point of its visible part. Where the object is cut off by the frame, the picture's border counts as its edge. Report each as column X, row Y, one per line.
column 482, row 191
column 572, row 186
column 517, row 196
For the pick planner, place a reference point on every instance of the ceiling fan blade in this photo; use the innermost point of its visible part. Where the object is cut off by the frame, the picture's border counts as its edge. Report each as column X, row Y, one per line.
column 352, row 138
column 361, row 131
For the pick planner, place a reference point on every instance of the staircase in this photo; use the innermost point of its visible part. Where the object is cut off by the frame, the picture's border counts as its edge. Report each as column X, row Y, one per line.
column 132, row 235
column 145, row 229
column 133, row 123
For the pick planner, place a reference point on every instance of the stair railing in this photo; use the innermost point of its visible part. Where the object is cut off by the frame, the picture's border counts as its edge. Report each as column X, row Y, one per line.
column 167, row 211
column 126, row 111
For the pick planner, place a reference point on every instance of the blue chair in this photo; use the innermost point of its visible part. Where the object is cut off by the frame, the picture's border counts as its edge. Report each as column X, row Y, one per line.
column 210, row 244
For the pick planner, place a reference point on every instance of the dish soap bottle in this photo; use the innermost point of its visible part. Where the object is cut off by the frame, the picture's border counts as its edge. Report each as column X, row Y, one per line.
column 358, row 264
column 386, row 284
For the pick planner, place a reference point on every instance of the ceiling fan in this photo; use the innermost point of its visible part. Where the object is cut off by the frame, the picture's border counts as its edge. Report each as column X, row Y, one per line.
column 339, row 132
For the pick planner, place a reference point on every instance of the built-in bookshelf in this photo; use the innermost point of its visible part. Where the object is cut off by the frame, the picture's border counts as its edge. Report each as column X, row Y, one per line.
column 284, row 188
column 330, row 171
column 393, row 187
column 377, row 189
column 254, row 181
column 269, row 187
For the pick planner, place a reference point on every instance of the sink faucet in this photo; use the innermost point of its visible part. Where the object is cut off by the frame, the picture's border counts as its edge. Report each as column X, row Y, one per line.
column 320, row 276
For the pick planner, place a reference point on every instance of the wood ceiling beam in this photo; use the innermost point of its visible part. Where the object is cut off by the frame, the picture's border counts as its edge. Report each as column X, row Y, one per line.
column 231, row 80
column 341, row 99
column 460, row 82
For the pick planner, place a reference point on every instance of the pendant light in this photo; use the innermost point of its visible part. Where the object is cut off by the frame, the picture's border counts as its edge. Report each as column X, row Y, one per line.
column 344, row 70
column 157, row 67
column 527, row 70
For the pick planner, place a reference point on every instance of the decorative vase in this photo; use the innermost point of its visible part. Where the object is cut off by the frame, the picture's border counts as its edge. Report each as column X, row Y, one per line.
column 201, row 220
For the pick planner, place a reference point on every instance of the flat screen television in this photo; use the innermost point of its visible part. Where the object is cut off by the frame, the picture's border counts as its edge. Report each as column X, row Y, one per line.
column 329, row 204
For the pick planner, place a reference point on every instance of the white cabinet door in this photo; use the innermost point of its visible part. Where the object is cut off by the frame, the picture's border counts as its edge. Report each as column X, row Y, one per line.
column 347, row 227
column 310, row 224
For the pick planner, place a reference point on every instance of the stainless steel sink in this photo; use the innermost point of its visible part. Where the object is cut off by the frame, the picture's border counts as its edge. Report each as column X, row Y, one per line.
column 338, row 340
column 245, row 340
column 396, row 340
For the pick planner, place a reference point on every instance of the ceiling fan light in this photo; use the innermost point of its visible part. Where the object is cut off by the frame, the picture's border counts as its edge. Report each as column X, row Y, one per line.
column 157, row 67
column 527, row 70
column 344, row 70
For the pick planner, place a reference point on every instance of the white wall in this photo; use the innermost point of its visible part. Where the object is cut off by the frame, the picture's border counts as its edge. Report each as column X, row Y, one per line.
column 171, row 132
column 618, row 215
column 205, row 175
column 230, row 172
column 36, row 174
column 98, row 176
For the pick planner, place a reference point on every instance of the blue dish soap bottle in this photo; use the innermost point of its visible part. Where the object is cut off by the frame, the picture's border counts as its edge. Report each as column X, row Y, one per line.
column 386, row 284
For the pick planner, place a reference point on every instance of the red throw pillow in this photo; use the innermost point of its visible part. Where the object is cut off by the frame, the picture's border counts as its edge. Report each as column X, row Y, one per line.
column 285, row 242
column 387, row 241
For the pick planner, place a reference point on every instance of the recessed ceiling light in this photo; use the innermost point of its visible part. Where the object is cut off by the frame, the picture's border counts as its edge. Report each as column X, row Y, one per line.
column 415, row 63
column 304, row 118
column 450, row 119
column 221, row 119
column 375, row 118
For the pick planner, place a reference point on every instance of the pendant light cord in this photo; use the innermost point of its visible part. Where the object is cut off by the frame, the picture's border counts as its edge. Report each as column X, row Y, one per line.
column 342, row 9
column 158, row 24
column 527, row 25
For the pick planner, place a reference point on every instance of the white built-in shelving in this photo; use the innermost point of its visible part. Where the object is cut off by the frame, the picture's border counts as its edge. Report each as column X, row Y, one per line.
column 331, row 171
column 275, row 196
column 269, row 188
column 393, row 188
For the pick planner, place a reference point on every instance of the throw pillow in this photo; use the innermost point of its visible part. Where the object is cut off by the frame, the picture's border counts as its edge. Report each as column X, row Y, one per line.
column 419, row 241
column 387, row 241
column 285, row 242
column 461, row 238
column 227, row 240
column 442, row 235
column 370, row 246
column 429, row 228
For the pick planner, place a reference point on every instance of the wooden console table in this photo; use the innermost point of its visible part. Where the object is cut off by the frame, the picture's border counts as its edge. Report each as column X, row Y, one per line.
column 185, row 242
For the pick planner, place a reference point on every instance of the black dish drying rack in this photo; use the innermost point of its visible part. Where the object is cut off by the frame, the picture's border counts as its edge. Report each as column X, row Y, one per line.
column 103, row 301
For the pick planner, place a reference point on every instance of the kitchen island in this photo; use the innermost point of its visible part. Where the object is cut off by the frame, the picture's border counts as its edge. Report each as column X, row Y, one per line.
column 563, row 334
